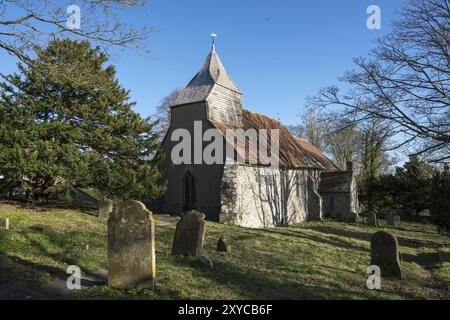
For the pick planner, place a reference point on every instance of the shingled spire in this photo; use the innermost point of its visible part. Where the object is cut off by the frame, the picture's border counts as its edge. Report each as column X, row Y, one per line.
column 213, row 85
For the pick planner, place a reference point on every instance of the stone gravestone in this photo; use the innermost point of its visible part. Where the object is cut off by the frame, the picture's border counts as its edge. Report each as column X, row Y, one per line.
column 397, row 218
column 189, row 234
column 372, row 219
column 223, row 245
column 131, row 246
column 4, row 223
column 105, row 207
column 384, row 253
column 390, row 220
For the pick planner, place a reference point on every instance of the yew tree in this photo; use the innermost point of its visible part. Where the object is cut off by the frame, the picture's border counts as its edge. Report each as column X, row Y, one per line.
column 56, row 133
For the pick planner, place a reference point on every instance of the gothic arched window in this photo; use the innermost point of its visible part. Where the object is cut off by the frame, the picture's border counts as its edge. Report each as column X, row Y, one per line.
column 189, row 192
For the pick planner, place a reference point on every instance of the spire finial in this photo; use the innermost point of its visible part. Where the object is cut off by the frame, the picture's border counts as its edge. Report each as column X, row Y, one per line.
column 213, row 38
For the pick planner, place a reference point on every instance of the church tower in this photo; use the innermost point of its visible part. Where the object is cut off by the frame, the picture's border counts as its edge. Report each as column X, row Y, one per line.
column 213, row 85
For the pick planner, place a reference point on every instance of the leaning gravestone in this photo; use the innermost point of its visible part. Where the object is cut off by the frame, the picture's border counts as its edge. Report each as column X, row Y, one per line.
column 372, row 219
column 397, row 218
column 4, row 223
column 131, row 246
column 105, row 207
column 384, row 253
column 390, row 220
column 189, row 234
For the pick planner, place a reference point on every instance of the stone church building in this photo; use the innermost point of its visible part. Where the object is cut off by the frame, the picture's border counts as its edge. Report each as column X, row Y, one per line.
column 245, row 193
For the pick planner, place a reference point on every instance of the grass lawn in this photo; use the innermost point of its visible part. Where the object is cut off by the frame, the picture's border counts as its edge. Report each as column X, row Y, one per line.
column 313, row 260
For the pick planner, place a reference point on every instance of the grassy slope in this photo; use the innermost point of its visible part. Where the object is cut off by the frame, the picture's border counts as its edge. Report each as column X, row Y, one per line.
column 309, row 261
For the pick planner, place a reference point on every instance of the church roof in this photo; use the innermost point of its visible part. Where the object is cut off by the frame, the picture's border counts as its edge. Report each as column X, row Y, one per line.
column 294, row 152
column 315, row 154
column 213, row 72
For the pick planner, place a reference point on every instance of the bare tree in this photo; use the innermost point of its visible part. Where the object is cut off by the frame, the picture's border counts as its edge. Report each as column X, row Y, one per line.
column 342, row 141
column 313, row 126
column 405, row 81
column 27, row 25
column 297, row 130
column 371, row 156
column 373, row 138
column 163, row 113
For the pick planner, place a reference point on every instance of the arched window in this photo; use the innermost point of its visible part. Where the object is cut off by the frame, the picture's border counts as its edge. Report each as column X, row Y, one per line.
column 189, row 192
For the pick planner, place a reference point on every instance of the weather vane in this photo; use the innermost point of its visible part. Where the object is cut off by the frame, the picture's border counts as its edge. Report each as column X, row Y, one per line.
column 213, row 36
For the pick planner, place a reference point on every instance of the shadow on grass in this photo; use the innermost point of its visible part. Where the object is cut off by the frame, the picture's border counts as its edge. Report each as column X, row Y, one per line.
column 332, row 241
column 416, row 230
column 366, row 236
column 251, row 284
column 54, row 288
column 54, row 205
column 425, row 259
column 65, row 255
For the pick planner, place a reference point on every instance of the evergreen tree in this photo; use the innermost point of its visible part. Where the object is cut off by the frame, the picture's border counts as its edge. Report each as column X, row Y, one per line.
column 57, row 130
column 412, row 186
column 440, row 199
column 407, row 191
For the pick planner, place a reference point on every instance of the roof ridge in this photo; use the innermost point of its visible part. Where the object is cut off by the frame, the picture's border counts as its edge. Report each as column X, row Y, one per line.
column 263, row 115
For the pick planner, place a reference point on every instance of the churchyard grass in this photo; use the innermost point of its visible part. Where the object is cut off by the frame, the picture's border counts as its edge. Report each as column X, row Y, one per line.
column 310, row 261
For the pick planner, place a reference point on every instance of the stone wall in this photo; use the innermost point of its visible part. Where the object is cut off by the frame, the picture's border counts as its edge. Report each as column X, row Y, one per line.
column 228, row 193
column 354, row 196
column 338, row 205
column 257, row 197
column 315, row 201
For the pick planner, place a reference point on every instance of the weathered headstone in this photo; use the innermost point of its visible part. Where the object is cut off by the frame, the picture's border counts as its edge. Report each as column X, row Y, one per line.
column 4, row 223
column 390, row 220
column 105, row 207
column 223, row 245
column 372, row 219
column 397, row 218
column 385, row 254
column 131, row 246
column 189, row 234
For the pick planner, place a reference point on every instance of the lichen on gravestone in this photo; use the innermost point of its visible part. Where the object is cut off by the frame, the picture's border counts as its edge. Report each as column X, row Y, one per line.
column 131, row 246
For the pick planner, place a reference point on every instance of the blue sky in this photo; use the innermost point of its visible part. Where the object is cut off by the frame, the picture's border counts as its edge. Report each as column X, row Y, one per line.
column 278, row 52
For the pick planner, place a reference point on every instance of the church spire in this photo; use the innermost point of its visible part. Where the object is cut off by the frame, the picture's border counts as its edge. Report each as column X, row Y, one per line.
column 212, row 73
